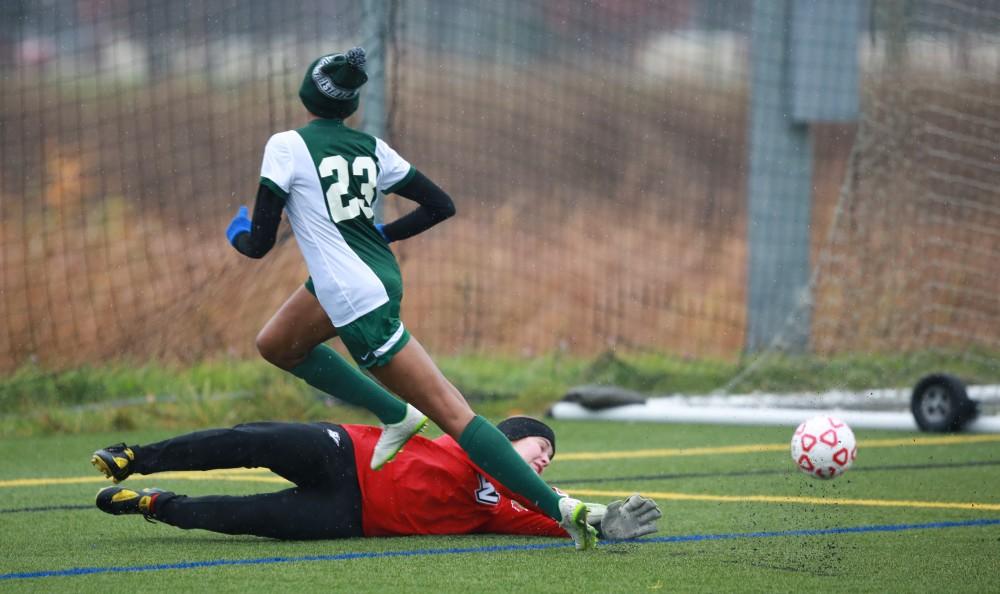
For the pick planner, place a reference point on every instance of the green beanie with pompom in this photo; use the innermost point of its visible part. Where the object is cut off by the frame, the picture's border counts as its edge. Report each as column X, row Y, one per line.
column 333, row 83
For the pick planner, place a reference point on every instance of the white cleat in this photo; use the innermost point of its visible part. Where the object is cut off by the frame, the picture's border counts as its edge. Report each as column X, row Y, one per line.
column 394, row 436
column 574, row 521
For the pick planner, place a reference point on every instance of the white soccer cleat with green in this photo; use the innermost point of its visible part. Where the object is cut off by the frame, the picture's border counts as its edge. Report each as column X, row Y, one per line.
column 574, row 521
column 394, row 436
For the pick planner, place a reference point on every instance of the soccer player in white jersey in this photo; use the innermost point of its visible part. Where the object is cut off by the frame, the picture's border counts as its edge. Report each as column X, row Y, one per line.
column 325, row 176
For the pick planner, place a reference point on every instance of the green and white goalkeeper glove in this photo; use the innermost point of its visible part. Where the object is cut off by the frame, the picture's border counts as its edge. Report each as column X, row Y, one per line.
column 621, row 520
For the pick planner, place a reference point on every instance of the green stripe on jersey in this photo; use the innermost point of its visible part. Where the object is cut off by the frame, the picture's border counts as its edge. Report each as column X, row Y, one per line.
column 401, row 183
column 274, row 188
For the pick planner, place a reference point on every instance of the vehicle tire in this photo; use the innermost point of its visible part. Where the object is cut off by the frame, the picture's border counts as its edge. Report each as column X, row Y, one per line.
column 940, row 404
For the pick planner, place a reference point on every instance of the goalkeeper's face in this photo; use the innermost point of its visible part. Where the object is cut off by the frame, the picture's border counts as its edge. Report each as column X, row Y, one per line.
column 536, row 451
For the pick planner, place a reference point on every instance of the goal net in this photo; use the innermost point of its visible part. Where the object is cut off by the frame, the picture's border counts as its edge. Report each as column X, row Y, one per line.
column 597, row 154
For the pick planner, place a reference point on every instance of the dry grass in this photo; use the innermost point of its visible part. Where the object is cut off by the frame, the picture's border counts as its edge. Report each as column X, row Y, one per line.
column 589, row 218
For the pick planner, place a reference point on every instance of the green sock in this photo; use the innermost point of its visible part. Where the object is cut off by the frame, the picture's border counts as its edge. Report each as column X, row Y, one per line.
column 491, row 450
column 324, row 369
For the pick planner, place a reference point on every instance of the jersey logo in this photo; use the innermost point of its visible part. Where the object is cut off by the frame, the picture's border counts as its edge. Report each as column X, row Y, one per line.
column 486, row 493
column 334, row 436
column 367, row 357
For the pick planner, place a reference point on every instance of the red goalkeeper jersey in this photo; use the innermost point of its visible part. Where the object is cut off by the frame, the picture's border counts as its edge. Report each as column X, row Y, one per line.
column 432, row 487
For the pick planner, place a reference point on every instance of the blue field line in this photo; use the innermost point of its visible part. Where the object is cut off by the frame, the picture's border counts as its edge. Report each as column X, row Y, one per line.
column 823, row 531
column 76, row 571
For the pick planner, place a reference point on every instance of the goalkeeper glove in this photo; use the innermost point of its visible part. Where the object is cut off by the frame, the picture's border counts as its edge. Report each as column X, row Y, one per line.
column 239, row 225
column 622, row 520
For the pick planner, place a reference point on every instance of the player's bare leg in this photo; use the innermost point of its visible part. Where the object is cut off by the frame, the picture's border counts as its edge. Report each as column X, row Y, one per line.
column 299, row 325
column 414, row 376
column 293, row 340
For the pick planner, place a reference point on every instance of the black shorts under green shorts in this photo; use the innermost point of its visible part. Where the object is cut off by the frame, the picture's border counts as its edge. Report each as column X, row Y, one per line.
column 374, row 338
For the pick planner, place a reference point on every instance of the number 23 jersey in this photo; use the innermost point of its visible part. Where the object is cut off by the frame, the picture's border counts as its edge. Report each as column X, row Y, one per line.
column 328, row 174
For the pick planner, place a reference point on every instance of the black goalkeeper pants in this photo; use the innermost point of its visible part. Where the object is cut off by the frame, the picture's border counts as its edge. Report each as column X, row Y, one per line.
column 317, row 457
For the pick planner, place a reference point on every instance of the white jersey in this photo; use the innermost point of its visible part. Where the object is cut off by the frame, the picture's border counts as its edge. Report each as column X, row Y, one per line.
column 328, row 174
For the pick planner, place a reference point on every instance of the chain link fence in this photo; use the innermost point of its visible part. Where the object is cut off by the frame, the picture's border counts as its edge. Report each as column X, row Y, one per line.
column 597, row 153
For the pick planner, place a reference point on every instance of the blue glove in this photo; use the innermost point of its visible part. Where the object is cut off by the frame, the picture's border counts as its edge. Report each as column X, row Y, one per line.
column 381, row 231
column 239, row 225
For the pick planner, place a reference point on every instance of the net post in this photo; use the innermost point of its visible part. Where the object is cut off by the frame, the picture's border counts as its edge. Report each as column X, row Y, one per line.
column 374, row 35
column 789, row 92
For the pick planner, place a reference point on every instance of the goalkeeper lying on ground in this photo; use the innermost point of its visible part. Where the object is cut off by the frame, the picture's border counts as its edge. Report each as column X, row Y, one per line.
column 431, row 487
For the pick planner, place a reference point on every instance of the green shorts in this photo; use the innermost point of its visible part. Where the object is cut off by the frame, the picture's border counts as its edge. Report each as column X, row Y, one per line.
column 374, row 338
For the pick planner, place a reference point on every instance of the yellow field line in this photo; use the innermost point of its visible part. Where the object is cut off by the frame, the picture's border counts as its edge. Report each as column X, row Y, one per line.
column 249, row 476
column 667, row 496
column 255, row 476
column 769, row 447
column 263, row 476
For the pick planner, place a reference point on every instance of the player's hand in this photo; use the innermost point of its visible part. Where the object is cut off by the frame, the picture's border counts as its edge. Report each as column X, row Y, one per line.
column 381, row 231
column 632, row 518
column 240, row 224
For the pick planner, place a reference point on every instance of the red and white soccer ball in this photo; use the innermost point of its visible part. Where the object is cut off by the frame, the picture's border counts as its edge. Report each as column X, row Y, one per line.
column 824, row 447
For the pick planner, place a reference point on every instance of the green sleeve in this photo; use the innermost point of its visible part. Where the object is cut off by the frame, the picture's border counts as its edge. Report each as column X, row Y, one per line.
column 274, row 188
column 401, row 183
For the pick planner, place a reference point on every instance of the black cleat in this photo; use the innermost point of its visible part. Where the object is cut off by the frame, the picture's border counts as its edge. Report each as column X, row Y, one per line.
column 120, row 500
column 114, row 461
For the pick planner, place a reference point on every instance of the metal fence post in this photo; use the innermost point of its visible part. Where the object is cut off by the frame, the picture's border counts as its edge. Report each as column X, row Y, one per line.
column 790, row 89
column 374, row 33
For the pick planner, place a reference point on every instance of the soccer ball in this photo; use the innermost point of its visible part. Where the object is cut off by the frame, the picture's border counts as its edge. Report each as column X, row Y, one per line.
column 824, row 447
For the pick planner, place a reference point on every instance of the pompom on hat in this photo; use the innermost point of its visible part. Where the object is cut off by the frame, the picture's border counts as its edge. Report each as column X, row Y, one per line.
column 516, row 428
column 332, row 84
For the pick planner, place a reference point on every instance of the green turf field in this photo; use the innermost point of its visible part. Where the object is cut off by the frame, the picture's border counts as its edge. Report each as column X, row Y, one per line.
column 917, row 513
